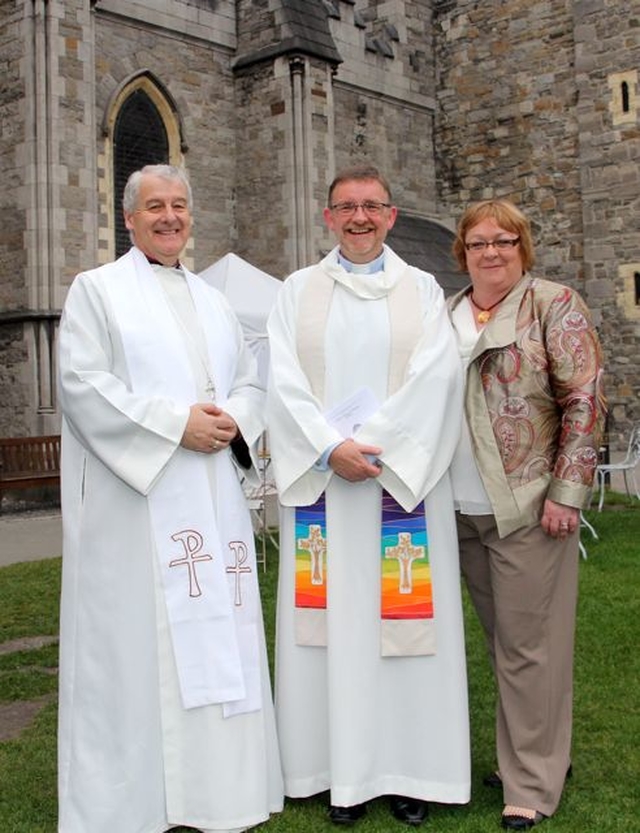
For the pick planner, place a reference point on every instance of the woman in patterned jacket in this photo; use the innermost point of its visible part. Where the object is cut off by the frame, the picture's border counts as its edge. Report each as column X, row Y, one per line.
column 523, row 470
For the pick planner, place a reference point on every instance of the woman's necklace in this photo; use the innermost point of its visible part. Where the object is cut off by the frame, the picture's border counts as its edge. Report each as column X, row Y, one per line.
column 485, row 312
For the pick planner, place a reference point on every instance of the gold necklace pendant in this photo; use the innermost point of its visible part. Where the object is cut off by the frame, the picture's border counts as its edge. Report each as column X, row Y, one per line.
column 484, row 313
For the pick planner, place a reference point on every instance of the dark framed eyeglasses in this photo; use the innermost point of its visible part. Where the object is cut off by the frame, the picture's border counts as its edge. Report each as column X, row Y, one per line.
column 502, row 244
column 370, row 207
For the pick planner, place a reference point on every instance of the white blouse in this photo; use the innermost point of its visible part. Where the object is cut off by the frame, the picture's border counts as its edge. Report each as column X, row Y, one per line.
column 470, row 496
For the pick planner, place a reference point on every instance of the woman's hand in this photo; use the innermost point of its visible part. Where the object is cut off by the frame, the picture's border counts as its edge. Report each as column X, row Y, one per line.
column 559, row 520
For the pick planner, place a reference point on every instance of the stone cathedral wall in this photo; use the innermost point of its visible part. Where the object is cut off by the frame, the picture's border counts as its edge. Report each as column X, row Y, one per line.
column 384, row 96
column 529, row 107
column 375, row 104
column 196, row 73
column 607, row 37
column 13, row 256
column 63, row 61
column 12, row 137
column 454, row 100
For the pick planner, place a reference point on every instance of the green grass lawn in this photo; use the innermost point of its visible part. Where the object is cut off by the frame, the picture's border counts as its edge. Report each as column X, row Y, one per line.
column 602, row 797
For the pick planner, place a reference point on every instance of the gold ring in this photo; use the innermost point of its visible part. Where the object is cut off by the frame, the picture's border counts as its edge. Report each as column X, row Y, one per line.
column 215, row 445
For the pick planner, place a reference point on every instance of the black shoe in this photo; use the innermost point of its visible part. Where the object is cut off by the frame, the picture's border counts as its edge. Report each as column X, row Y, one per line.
column 515, row 821
column 494, row 779
column 409, row 810
column 347, row 815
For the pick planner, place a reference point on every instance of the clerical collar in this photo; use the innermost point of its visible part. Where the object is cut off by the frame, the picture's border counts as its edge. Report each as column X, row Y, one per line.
column 155, row 262
column 376, row 265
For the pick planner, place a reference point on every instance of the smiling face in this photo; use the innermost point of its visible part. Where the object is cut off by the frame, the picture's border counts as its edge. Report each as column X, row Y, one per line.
column 161, row 222
column 360, row 235
column 491, row 269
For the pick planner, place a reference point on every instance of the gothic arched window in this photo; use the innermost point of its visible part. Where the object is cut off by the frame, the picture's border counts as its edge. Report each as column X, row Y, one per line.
column 139, row 138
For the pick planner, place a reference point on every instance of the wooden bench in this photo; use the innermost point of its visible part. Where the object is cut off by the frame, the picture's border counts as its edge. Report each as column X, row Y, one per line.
column 26, row 462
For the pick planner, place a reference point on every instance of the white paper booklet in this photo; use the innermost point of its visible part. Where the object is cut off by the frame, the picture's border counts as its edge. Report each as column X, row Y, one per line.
column 347, row 416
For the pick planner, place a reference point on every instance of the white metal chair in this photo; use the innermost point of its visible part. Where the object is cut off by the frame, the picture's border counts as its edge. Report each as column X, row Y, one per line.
column 585, row 523
column 626, row 466
column 257, row 498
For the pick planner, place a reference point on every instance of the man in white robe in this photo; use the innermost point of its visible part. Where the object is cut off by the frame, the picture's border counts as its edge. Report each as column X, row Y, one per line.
column 365, row 337
column 165, row 705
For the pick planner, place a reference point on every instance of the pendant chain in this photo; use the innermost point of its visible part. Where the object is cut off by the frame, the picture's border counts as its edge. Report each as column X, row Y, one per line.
column 484, row 313
column 210, row 387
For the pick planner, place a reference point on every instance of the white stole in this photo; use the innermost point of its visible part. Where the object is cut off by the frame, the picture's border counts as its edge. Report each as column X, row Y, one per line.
column 405, row 322
column 207, row 563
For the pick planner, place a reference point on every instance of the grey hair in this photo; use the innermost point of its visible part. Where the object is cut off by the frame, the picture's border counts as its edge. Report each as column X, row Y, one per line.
column 132, row 188
column 359, row 173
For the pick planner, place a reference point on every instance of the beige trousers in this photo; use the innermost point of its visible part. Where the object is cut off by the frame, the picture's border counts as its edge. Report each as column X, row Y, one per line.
column 524, row 589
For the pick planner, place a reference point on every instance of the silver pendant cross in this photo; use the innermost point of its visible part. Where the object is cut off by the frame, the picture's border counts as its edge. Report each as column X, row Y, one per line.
column 210, row 389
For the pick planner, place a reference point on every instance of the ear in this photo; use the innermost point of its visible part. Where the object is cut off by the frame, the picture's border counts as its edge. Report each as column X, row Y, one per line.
column 328, row 218
column 393, row 213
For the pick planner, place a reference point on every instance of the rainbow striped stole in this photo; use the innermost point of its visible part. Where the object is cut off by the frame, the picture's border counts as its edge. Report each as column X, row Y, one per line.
column 407, row 624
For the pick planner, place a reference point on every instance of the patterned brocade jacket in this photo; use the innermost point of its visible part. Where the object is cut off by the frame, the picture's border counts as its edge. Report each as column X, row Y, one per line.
column 534, row 402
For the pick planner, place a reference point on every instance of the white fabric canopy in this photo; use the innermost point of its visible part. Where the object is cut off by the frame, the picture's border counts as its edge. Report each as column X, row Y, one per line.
column 251, row 294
